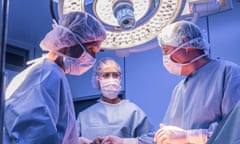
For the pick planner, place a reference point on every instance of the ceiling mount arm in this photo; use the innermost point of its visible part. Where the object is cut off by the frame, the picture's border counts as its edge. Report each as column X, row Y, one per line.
column 52, row 12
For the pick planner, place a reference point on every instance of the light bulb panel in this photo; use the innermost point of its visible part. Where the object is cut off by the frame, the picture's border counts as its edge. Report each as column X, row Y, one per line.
column 150, row 15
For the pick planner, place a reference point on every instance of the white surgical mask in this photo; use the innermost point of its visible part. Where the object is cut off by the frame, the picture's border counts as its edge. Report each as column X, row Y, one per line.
column 176, row 68
column 110, row 87
column 172, row 67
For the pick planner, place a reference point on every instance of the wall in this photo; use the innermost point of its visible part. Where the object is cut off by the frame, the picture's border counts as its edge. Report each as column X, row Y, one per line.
column 147, row 83
column 28, row 21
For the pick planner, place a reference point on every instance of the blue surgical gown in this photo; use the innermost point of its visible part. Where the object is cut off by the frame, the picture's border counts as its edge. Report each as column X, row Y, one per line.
column 39, row 107
column 205, row 97
column 228, row 130
column 124, row 119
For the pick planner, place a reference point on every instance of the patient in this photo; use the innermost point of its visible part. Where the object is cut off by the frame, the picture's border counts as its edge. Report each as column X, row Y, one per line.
column 111, row 115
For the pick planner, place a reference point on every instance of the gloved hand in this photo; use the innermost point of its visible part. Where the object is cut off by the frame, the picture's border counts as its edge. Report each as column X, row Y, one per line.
column 175, row 135
column 97, row 140
column 112, row 140
column 84, row 140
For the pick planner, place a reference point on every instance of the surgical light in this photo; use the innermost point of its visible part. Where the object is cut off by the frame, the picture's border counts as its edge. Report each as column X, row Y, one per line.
column 137, row 22
column 133, row 25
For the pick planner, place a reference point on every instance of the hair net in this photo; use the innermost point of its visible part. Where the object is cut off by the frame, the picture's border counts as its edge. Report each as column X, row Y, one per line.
column 176, row 33
column 102, row 64
column 73, row 28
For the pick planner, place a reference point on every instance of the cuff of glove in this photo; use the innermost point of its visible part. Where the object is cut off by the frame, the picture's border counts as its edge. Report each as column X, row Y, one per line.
column 198, row 136
column 130, row 141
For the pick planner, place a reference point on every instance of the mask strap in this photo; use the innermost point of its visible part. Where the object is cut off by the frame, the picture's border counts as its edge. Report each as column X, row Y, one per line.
column 55, row 24
column 63, row 55
column 195, row 59
column 36, row 59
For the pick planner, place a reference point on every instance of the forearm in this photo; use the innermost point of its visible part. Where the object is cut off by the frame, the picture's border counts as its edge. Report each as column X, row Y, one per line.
column 175, row 135
column 199, row 136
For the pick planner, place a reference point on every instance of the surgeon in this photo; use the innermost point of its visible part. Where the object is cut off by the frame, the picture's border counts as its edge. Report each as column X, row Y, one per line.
column 112, row 115
column 209, row 91
column 39, row 107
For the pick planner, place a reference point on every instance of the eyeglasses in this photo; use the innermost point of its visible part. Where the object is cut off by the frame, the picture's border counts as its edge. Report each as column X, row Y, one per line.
column 115, row 75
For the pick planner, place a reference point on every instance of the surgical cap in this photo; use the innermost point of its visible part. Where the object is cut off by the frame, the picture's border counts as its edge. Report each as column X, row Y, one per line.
column 73, row 28
column 176, row 33
column 100, row 66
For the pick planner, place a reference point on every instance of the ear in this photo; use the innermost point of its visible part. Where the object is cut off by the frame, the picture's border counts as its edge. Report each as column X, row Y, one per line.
column 52, row 56
column 186, row 50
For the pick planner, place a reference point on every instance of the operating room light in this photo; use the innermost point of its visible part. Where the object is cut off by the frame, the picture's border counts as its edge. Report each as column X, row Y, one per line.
column 150, row 17
column 133, row 25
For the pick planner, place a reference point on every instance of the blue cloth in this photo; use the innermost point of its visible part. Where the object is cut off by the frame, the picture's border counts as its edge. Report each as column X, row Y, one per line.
column 205, row 97
column 39, row 107
column 124, row 119
column 228, row 130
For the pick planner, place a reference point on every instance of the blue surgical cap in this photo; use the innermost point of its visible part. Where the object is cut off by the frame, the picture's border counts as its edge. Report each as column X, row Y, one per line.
column 177, row 33
column 73, row 25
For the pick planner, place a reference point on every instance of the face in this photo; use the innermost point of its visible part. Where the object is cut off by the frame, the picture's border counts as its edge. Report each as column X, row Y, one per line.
column 77, row 50
column 92, row 48
column 109, row 72
column 182, row 55
column 109, row 82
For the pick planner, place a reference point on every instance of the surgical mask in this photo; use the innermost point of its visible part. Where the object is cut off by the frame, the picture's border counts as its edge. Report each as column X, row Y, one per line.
column 176, row 68
column 110, row 87
column 77, row 66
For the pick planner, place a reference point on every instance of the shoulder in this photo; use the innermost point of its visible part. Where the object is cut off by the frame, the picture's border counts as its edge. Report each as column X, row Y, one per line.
column 47, row 74
column 226, row 63
column 92, row 108
column 131, row 106
column 228, row 66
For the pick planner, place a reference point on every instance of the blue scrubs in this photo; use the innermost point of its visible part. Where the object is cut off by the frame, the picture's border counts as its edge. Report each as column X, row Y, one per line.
column 228, row 130
column 39, row 107
column 205, row 97
column 124, row 119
